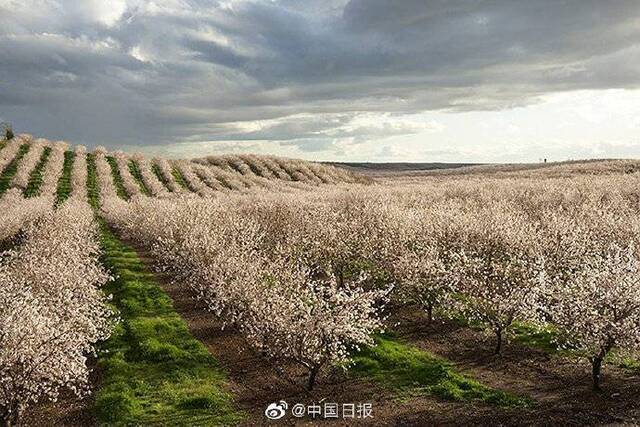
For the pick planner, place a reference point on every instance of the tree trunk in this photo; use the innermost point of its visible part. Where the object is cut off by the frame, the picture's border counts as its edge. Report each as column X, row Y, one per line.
column 430, row 313
column 596, row 371
column 9, row 417
column 9, row 421
column 498, row 341
column 312, row 377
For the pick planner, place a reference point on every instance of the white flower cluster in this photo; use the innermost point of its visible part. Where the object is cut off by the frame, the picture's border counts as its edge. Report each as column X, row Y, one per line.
column 53, row 169
column 130, row 184
column 17, row 212
column 51, row 309
column 266, row 165
column 28, row 163
column 271, row 167
column 79, row 173
column 151, row 181
column 302, row 273
column 164, row 168
column 104, row 175
column 186, row 169
column 8, row 153
column 560, row 252
column 207, row 176
column 554, row 252
column 593, row 278
column 231, row 172
column 234, row 180
column 274, row 268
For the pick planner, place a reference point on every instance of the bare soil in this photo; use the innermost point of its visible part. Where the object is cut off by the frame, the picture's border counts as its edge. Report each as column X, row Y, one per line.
column 68, row 410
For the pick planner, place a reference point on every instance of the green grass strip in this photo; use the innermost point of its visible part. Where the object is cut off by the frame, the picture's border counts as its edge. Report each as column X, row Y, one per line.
column 542, row 337
column 11, row 169
column 177, row 175
column 406, row 368
column 224, row 182
column 35, row 179
column 221, row 180
column 93, row 191
column 630, row 364
column 117, row 178
column 134, row 168
column 158, row 173
column 153, row 372
column 64, row 182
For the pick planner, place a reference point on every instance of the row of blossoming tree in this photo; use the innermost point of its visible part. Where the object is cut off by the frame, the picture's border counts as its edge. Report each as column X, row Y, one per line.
column 52, row 312
column 305, row 277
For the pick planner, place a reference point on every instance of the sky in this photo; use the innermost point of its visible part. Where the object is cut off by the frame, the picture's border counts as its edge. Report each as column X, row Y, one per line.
column 341, row 80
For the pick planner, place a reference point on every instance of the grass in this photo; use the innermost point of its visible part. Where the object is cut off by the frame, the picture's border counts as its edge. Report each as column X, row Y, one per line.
column 408, row 369
column 627, row 361
column 3, row 143
column 547, row 339
column 630, row 364
column 93, row 193
column 64, row 182
column 544, row 337
column 35, row 179
column 153, row 372
column 117, row 178
column 11, row 169
column 220, row 179
column 137, row 175
column 158, row 173
column 177, row 175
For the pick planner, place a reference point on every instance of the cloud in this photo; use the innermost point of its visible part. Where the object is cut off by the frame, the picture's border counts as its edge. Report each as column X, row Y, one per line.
column 322, row 75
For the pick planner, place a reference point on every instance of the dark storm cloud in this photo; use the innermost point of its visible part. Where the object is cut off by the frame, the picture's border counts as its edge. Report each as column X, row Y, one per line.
column 137, row 72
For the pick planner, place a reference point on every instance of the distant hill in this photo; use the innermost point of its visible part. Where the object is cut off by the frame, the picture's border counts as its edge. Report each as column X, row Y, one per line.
column 412, row 171
column 26, row 162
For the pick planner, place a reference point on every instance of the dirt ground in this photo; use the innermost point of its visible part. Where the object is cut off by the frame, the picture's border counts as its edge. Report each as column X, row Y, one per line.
column 67, row 411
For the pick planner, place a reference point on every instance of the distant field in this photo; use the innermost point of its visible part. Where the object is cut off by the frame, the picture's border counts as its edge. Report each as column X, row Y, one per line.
column 391, row 168
column 415, row 171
